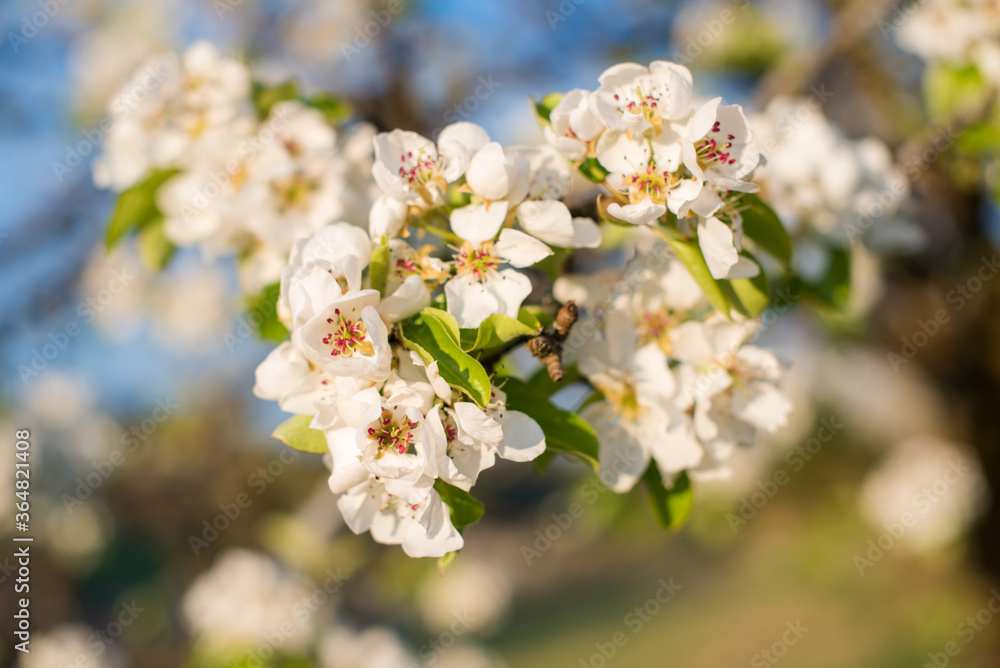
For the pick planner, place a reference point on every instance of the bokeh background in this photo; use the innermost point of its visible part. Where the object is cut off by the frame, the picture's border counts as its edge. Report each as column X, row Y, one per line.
column 145, row 432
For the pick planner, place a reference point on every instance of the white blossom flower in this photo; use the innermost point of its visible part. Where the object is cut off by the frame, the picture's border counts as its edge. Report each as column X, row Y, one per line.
column 636, row 98
column 732, row 386
column 373, row 647
column 637, row 418
column 939, row 483
column 412, row 169
column 573, row 124
column 423, row 529
column 719, row 146
column 480, row 288
column 70, row 645
column 244, row 597
column 183, row 103
column 468, row 438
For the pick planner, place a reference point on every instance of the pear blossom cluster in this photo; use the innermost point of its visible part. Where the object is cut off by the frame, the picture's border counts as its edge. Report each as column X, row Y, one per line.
column 393, row 425
column 372, row 235
column 457, row 223
column 665, row 155
column 954, row 32
column 246, row 598
column 830, row 190
column 680, row 385
column 509, row 211
column 239, row 184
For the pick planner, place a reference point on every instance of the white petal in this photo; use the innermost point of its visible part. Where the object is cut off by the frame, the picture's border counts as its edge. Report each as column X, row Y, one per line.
column 618, row 153
column 716, row 241
column 703, row 119
column 386, row 217
column 586, row 234
column 407, row 299
column 549, row 220
column 523, row 439
column 469, row 301
column 457, row 143
column 652, row 375
column 347, row 470
column 478, row 222
column 744, row 268
column 434, row 535
column 520, row 249
column 765, row 408
column 489, row 172
column 676, row 451
column 282, row 370
column 682, row 195
column 623, row 460
column 475, row 422
column 510, row 287
column 639, row 213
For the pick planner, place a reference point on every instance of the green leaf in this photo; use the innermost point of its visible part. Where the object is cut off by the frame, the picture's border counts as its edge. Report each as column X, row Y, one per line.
column 379, row 267
column 670, row 506
column 593, row 170
column 446, row 560
column 528, row 318
column 136, row 207
column 543, row 384
column 540, row 316
column 751, row 292
column 835, row 287
column 433, row 334
column 688, row 252
column 262, row 313
column 296, row 433
column 544, row 108
column 154, row 247
column 464, row 509
column 565, row 432
column 497, row 330
column 265, row 97
column 951, row 90
column 335, row 109
column 762, row 225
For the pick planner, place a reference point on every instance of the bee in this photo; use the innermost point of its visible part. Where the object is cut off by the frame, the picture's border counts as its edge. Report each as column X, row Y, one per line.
column 547, row 346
